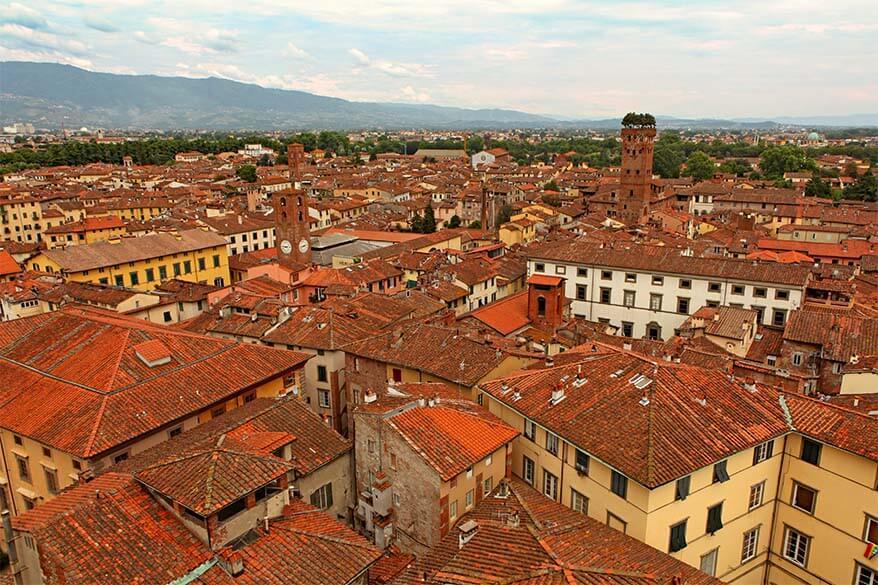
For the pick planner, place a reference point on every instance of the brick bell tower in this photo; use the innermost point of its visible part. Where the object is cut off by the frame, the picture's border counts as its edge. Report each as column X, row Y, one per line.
column 635, row 182
column 291, row 219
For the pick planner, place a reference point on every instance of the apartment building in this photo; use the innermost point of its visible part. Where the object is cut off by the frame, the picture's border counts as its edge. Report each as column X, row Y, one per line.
column 85, row 231
column 243, row 234
column 86, row 388
column 719, row 473
column 142, row 263
column 649, row 292
column 20, row 220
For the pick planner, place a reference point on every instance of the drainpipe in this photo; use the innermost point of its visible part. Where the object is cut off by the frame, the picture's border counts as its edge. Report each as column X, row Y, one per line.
column 777, row 499
column 10, row 544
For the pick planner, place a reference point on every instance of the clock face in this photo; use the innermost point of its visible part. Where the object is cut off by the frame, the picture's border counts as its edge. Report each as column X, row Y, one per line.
column 286, row 247
column 303, row 245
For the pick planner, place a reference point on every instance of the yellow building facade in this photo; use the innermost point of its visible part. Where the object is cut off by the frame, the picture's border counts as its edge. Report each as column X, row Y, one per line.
column 142, row 263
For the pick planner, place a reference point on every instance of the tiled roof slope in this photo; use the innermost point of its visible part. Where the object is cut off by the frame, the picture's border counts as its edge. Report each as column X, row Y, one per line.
column 207, row 480
column 451, row 440
column 669, row 261
column 287, row 421
column 551, row 544
column 304, row 547
column 693, row 417
column 92, row 256
column 73, row 379
column 433, row 350
column 110, row 531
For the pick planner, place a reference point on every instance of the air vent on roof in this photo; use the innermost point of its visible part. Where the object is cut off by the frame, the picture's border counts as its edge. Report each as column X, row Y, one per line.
column 467, row 531
column 644, row 401
column 617, row 373
column 557, row 395
column 640, row 381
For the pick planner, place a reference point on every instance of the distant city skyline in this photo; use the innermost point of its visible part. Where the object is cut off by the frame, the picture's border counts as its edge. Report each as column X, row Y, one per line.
column 555, row 57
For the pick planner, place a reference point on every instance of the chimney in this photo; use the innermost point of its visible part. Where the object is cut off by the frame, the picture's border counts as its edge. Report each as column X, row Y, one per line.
column 369, row 397
column 557, row 393
column 467, row 531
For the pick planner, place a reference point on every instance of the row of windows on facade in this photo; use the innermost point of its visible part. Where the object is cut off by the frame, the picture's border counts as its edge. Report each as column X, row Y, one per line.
column 255, row 236
column 684, row 283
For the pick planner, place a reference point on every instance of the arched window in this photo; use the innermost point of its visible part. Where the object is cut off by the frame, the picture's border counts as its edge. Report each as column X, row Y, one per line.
column 299, row 201
column 541, row 306
column 283, row 201
column 283, row 216
column 301, row 217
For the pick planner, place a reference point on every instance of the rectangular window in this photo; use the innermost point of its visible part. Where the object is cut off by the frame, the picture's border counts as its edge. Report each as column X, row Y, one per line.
column 550, row 485
column 616, row 523
column 606, row 295
column 627, row 329
column 469, row 499
column 323, row 398
column 187, row 266
column 51, row 480
column 871, row 530
column 322, row 375
column 658, row 280
column 134, row 277
column 797, row 358
column 708, row 562
column 582, row 461
column 119, row 280
column 150, row 274
column 606, row 275
column 322, row 497
column 202, row 264
column 811, row 451
column 582, row 272
column 581, row 292
column 795, row 547
column 683, row 305
column 682, row 490
column 452, row 510
column 539, row 267
column 23, row 468
column 120, row 457
column 751, row 541
column 530, row 429
column 762, row 452
column 678, row 537
column 714, row 518
column 720, row 474
column 163, row 272
column 578, row 502
column 527, row 470
column 488, row 486
column 866, row 576
column 714, row 287
column 552, row 443
column 685, row 283
column 778, row 317
column 630, row 277
column 619, row 484
column 782, row 295
column 176, row 269
column 804, row 498
column 738, row 289
column 216, row 261
column 560, row 270
column 757, row 493
column 628, row 298
column 760, row 293
column 655, row 302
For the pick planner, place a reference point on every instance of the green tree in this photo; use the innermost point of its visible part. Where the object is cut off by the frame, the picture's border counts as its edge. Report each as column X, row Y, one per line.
column 817, row 187
column 428, row 224
column 699, row 166
column 777, row 160
column 737, row 166
column 866, row 189
column 246, row 173
column 504, row 215
column 551, row 186
column 417, row 223
column 454, row 222
column 475, row 225
column 667, row 159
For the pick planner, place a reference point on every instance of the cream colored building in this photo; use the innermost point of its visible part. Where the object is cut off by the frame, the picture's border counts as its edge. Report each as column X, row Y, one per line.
column 698, row 465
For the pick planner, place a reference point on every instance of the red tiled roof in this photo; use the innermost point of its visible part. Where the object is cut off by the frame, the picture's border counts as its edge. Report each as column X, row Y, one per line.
column 74, row 380
column 8, row 265
column 506, row 315
column 451, row 440
column 545, row 280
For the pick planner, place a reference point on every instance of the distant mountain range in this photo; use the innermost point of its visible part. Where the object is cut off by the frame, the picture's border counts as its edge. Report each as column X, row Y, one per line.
column 50, row 95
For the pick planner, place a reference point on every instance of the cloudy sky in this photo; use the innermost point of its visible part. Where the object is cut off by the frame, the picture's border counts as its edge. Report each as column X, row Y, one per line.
column 564, row 57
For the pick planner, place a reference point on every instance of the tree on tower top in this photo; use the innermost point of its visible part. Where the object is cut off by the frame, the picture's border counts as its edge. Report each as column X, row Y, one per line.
column 633, row 120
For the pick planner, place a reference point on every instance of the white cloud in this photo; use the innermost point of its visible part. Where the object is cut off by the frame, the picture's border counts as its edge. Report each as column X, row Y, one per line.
column 389, row 67
column 34, row 39
column 11, row 54
column 413, row 95
column 22, row 15
column 294, row 51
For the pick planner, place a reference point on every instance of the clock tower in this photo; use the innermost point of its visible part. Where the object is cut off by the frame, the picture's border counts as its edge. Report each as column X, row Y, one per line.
column 291, row 218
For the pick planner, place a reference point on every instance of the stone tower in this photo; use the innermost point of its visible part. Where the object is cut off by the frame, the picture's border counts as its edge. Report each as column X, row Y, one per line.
column 635, row 182
column 291, row 218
